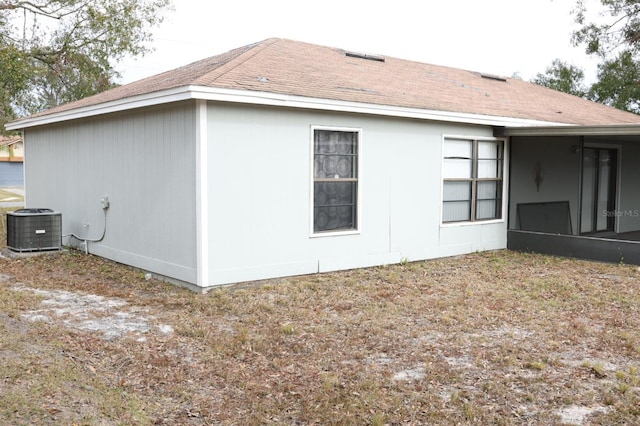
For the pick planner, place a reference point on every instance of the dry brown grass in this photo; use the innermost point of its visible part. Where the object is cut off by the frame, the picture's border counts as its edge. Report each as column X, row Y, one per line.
column 492, row 338
column 3, row 225
column 10, row 196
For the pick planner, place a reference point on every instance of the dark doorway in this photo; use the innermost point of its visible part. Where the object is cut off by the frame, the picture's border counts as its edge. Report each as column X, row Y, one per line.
column 599, row 182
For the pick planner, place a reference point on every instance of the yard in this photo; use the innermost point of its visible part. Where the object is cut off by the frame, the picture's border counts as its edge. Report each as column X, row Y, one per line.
column 9, row 196
column 488, row 338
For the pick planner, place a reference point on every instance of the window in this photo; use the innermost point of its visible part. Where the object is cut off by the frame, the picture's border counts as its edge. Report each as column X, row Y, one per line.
column 472, row 180
column 335, row 180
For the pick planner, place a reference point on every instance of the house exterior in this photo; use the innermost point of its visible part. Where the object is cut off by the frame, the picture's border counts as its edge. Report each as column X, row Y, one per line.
column 283, row 158
column 11, row 161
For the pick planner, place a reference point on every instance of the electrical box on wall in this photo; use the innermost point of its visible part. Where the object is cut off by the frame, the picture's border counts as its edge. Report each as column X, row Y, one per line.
column 34, row 230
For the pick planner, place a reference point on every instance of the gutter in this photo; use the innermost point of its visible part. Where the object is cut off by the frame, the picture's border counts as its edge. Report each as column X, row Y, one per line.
column 574, row 130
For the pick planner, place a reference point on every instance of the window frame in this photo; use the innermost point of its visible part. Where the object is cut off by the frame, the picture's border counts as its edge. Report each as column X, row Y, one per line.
column 312, row 180
column 474, row 180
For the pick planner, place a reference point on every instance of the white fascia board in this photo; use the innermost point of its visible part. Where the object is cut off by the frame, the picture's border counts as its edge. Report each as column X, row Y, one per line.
column 270, row 99
column 292, row 101
column 576, row 130
column 149, row 99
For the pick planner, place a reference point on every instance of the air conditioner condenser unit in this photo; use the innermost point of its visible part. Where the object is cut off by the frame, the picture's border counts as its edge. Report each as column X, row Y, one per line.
column 34, row 230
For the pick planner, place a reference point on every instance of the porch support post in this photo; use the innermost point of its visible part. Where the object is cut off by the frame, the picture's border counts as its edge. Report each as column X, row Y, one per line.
column 581, row 153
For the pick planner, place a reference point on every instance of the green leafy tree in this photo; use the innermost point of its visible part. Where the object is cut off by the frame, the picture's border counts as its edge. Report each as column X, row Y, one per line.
column 618, row 83
column 56, row 51
column 563, row 77
column 613, row 35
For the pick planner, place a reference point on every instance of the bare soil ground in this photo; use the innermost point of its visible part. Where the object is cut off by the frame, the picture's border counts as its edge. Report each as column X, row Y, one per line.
column 490, row 338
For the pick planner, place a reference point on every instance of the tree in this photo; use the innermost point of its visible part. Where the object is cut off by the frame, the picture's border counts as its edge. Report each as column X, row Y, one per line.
column 620, row 32
column 617, row 83
column 56, row 51
column 615, row 39
column 563, row 77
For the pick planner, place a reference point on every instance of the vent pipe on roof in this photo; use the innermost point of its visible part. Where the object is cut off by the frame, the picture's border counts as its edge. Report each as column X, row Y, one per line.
column 493, row 77
column 366, row 56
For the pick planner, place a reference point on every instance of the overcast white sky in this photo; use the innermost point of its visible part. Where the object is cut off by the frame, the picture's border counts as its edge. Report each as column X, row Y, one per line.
column 501, row 37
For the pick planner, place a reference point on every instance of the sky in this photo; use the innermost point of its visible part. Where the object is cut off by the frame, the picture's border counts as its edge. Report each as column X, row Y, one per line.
column 502, row 37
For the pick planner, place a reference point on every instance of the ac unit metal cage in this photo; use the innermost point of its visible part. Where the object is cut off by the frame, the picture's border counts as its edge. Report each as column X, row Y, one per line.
column 34, row 230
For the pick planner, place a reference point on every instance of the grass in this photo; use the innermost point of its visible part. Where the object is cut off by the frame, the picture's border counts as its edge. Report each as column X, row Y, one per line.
column 489, row 338
column 3, row 222
column 10, row 196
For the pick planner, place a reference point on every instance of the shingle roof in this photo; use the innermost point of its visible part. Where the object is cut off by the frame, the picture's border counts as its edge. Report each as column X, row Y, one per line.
column 9, row 140
column 295, row 68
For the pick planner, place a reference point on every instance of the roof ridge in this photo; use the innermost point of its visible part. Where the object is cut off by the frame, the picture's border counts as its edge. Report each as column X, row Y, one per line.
column 251, row 51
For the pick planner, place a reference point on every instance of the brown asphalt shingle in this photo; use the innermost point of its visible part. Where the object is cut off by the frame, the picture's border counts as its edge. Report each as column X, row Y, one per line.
column 9, row 140
column 295, row 68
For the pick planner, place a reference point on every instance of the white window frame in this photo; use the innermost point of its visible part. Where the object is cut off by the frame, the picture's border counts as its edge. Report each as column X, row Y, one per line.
column 505, row 179
column 357, row 229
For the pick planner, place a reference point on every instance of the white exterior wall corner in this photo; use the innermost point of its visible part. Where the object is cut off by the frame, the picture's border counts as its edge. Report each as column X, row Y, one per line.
column 260, row 198
column 143, row 160
column 202, row 194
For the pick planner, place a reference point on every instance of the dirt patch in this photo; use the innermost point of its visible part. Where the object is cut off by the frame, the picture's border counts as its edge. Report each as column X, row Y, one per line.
column 578, row 415
column 112, row 317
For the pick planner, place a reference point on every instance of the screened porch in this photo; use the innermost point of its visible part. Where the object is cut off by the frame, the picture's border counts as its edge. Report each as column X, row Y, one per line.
column 575, row 191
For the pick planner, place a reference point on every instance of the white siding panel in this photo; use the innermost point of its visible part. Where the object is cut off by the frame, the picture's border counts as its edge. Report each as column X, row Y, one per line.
column 260, row 200
column 143, row 161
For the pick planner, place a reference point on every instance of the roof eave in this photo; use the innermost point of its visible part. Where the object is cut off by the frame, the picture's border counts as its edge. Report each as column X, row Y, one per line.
column 269, row 99
column 301, row 102
column 571, row 130
column 149, row 99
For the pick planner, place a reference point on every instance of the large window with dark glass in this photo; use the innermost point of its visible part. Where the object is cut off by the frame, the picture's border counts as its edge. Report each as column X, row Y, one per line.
column 472, row 180
column 335, row 180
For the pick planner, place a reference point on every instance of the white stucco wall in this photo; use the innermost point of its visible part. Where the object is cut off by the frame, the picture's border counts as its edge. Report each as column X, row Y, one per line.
column 259, row 195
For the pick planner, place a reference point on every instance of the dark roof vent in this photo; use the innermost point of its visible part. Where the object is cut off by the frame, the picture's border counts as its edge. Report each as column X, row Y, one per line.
column 377, row 58
column 493, row 77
